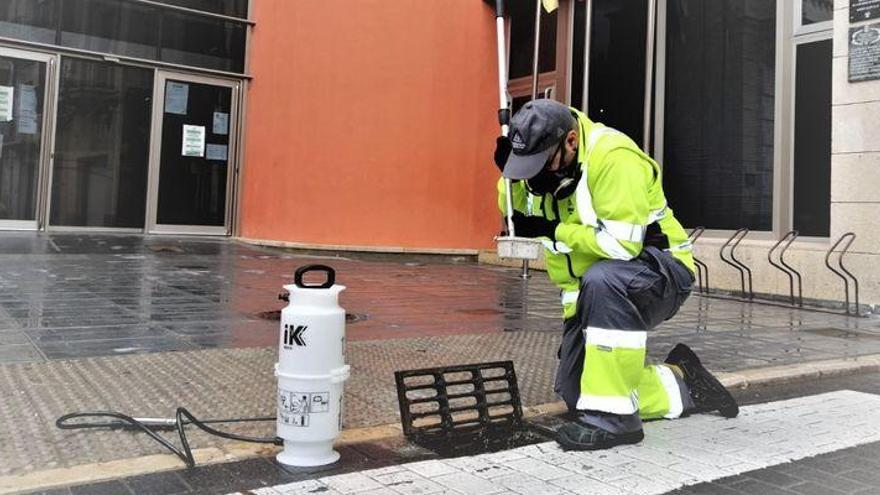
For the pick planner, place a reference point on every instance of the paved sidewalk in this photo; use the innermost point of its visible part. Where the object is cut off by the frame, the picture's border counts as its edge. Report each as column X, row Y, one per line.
column 142, row 325
column 75, row 296
column 848, row 470
column 853, row 471
column 678, row 453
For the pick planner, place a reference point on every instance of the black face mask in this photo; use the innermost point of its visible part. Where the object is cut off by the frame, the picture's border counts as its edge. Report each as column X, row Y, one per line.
column 554, row 182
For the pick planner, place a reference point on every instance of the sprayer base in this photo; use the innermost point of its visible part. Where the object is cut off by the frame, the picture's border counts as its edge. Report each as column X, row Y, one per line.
column 307, row 456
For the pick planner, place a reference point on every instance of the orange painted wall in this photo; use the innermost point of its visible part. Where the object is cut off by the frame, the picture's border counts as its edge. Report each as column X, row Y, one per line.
column 371, row 123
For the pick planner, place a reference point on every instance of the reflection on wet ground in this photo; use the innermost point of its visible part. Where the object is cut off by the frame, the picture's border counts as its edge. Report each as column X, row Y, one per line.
column 72, row 295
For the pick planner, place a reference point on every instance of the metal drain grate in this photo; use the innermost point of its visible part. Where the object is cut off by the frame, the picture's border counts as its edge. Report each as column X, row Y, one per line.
column 437, row 403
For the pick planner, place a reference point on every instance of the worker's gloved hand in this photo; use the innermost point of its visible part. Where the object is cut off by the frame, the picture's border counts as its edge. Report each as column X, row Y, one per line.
column 502, row 151
column 526, row 226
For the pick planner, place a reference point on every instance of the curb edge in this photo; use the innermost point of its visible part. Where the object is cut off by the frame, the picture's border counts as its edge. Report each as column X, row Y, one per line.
column 102, row 471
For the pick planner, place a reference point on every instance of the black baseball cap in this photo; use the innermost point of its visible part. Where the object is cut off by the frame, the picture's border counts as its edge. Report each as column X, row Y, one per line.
column 535, row 132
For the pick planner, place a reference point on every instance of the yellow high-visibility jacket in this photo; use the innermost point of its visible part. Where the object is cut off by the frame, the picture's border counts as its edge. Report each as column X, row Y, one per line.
column 619, row 195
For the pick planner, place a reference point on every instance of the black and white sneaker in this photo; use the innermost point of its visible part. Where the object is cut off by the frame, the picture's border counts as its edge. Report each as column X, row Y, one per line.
column 706, row 391
column 580, row 436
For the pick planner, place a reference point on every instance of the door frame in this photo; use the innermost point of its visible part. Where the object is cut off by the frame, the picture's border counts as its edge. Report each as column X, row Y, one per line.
column 47, row 138
column 787, row 169
column 654, row 64
column 151, row 226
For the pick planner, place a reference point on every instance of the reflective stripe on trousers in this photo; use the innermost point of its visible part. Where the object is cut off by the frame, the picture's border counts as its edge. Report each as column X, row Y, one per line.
column 602, row 368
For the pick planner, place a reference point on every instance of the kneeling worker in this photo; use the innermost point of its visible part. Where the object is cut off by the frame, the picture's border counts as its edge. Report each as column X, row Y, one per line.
column 624, row 265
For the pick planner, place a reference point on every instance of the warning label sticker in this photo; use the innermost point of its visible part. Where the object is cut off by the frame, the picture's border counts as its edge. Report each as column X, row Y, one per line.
column 301, row 420
column 294, row 408
column 320, row 403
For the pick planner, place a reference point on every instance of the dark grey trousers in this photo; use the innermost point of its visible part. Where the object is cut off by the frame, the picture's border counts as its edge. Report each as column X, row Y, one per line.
column 632, row 295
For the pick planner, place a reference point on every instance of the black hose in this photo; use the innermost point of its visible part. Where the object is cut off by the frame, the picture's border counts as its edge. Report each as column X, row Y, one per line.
column 181, row 418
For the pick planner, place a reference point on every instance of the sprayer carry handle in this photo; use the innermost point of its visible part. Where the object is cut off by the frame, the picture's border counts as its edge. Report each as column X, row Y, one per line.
column 298, row 276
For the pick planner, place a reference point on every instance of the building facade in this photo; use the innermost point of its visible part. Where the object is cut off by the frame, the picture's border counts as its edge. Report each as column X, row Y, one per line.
column 370, row 124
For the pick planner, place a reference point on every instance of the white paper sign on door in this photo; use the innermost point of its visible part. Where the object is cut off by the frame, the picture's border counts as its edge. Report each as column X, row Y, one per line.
column 176, row 97
column 193, row 140
column 27, row 110
column 221, row 123
column 6, row 97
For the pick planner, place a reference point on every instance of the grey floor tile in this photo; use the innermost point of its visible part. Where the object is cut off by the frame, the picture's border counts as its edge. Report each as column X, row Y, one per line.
column 775, row 477
column 12, row 338
column 19, row 353
column 812, row 488
column 112, row 347
column 113, row 487
column 112, row 332
column 56, row 491
column 167, row 483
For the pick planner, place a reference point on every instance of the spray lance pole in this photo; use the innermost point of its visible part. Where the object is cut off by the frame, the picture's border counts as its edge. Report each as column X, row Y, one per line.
column 509, row 246
column 503, row 105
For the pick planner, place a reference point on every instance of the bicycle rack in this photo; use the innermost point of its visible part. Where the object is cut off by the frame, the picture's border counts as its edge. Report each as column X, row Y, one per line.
column 702, row 268
column 780, row 248
column 735, row 239
column 852, row 237
column 786, row 268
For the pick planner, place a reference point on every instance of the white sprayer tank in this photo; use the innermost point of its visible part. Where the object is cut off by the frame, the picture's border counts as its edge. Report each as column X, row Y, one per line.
column 311, row 370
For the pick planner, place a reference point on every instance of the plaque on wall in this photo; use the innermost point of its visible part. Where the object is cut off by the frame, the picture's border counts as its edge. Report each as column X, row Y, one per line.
column 864, row 53
column 863, row 10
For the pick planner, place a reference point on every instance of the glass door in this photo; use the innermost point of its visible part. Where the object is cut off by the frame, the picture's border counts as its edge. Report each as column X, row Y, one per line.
column 25, row 80
column 102, row 146
column 193, row 154
column 612, row 64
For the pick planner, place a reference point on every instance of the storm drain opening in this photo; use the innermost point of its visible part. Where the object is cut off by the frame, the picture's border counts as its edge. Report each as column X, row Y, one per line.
column 464, row 409
column 165, row 248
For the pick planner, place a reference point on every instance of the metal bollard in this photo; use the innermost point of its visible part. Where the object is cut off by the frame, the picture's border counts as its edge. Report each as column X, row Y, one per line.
column 311, row 370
